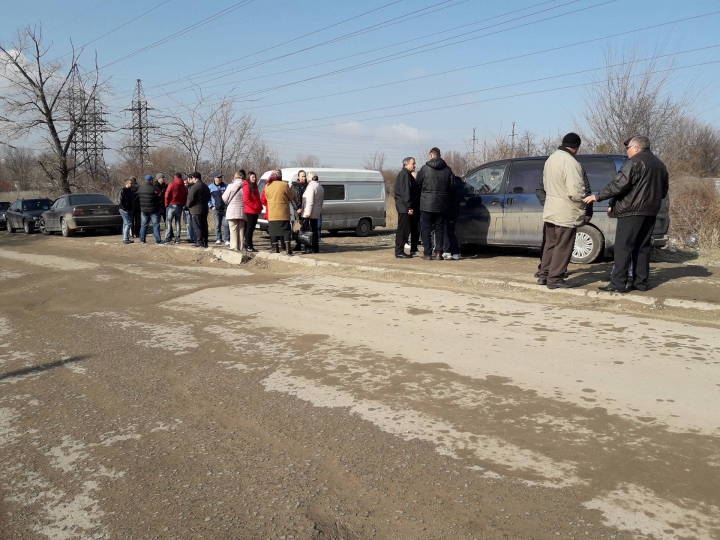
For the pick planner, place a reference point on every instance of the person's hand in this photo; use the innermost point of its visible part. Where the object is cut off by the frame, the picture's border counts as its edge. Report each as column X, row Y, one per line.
column 609, row 210
column 587, row 219
column 299, row 212
column 590, row 199
column 411, row 212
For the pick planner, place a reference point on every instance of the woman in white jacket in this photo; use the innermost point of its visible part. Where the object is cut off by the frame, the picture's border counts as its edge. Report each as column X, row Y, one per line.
column 312, row 203
column 235, row 211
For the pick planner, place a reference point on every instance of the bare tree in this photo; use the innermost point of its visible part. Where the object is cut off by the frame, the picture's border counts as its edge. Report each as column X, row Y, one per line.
column 634, row 98
column 375, row 162
column 22, row 167
column 457, row 161
column 190, row 128
column 262, row 158
column 39, row 100
column 694, row 149
column 310, row 161
column 231, row 136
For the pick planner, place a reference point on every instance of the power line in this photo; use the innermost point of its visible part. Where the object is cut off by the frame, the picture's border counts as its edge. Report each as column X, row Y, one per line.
column 444, row 107
column 179, row 33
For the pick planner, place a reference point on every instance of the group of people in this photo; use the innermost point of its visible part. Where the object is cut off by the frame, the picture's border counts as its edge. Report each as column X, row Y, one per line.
column 428, row 203
column 235, row 208
column 635, row 194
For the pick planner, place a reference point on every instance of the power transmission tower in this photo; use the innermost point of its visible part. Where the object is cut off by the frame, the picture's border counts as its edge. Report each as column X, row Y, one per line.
column 87, row 146
column 512, row 144
column 472, row 160
column 140, row 128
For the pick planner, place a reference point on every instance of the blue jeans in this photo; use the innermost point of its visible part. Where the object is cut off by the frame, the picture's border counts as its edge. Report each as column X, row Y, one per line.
column 146, row 217
column 127, row 223
column 222, row 234
column 172, row 222
column 187, row 218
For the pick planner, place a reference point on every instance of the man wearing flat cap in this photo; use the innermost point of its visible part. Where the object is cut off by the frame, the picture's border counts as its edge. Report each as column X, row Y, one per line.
column 564, row 211
column 638, row 190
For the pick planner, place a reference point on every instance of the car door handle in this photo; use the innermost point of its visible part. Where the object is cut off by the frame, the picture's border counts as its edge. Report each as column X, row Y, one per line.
column 495, row 201
column 510, row 201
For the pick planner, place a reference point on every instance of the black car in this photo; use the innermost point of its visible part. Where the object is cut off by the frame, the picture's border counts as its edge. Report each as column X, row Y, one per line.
column 81, row 211
column 25, row 213
column 4, row 205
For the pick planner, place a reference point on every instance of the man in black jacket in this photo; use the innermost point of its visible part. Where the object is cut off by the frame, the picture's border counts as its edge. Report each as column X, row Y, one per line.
column 298, row 188
column 457, row 196
column 198, row 200
column 435, row 182
column 162, row 188
column 126, row 202
column 407, row 210
column 149, row 207
column 638, row 190
column 136, row 208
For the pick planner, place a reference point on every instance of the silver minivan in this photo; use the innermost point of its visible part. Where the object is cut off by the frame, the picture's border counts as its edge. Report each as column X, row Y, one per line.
column 501, row 207
column 354, row 198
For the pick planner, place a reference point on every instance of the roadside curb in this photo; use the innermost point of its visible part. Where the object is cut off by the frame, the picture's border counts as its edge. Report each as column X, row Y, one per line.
column 651, row 301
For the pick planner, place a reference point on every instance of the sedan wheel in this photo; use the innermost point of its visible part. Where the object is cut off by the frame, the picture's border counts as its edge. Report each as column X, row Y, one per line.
column 27, row 227
column 44, row 229
column 66, row 231
column 10, row 228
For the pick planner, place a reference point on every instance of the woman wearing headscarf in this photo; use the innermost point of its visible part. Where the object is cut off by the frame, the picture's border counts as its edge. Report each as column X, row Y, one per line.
column 312, row 203
column 253, row 207
column 235, row 211
column 277, row 197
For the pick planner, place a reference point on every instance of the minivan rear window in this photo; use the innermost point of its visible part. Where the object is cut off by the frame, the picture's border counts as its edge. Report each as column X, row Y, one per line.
column 600, row 171
column 365, row 192
column 334, row 192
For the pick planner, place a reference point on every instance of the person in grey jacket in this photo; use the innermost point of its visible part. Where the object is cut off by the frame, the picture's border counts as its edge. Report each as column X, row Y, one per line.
column 564, row 211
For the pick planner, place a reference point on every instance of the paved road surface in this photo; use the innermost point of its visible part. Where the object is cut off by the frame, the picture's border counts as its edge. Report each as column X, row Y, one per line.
column 146, row 392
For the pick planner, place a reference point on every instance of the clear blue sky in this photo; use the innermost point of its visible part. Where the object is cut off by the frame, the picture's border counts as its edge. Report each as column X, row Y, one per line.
column 294, row 129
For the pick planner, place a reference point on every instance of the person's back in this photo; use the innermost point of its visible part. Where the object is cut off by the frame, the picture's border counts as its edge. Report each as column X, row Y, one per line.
column 149, row 199
column 126, row 199
column 176, row 193
column 435, row 184
column 640, row 186
column 313, row 199
column 278, row 196
column 198, row 198
column 564, row 190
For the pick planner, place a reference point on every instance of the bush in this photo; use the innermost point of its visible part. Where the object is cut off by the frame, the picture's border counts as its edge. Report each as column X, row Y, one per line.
column 695, row 212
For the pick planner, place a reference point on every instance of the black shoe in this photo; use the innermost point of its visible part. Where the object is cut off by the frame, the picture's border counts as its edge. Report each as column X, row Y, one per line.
column 537, row 274
column 177, row 242
column 403, row 256
column 127, row 241
column 542, row 281
column 560, row 285
column 634, row 288
column 612, row 288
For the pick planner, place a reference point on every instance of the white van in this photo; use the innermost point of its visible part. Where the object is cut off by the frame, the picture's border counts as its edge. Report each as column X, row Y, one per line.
column 354, row 198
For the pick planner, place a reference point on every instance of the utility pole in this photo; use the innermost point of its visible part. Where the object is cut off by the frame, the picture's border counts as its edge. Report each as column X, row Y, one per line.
column 140, row 128
column 512, row 138
column 473, row 163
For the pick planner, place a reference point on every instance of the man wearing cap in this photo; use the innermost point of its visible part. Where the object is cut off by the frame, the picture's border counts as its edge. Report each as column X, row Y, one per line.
column 161, row 189
column 638, row 191
column 217, row 188
column 149, row 207
column 199, row 205
column 564, row 211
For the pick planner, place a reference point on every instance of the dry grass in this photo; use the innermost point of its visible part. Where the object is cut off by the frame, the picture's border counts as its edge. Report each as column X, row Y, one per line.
column 11, row 196
column 695, row 212
column 391, row 216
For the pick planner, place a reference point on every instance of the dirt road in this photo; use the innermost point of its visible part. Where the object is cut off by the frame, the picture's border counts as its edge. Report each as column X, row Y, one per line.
column 149, row 392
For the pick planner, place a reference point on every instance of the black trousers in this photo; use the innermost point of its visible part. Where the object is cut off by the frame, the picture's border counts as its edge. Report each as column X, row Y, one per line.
column 429, row 222
column 200, row 224
column 252, row 220
column 559, row 244
column 136, row 222
column 403, row 232
column 315, row 235
column 452, row 245
column 633, row 242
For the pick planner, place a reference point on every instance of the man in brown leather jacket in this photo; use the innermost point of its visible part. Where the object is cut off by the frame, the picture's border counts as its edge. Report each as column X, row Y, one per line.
column 638, row 190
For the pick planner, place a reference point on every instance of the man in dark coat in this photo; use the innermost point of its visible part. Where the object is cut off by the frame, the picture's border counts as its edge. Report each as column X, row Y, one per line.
column 407, row 210
column 638, row 191
column 435, row 181
column 150, row 208
column 161, row 187
column 298, row 188
column 136, row 209
column 457, row 196
column 198, row 201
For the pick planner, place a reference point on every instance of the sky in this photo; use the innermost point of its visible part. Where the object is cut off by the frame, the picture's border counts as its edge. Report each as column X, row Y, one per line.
column 342, row 80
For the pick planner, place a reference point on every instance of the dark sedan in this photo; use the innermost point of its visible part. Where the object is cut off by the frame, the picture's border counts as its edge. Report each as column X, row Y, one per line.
column 81, row 211
column 4, row 205
column 25, row 213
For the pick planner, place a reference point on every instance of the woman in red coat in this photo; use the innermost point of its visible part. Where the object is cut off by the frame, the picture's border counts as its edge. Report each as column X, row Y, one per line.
column 253, row 207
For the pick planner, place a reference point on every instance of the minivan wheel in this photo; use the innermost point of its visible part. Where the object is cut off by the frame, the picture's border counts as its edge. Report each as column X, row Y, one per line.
column 589, row 245
column 363, row 228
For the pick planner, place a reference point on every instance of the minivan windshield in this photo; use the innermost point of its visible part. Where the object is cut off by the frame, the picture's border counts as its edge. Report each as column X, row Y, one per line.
column 36, row 204
column 89, row 198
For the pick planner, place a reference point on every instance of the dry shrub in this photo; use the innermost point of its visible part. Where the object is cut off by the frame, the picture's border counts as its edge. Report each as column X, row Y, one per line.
column 695, row 211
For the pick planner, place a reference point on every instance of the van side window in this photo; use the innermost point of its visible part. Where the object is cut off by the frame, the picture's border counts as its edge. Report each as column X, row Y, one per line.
column 334, row 192
column 487, row 180
column 525, row 176
column 600, row 171
column 364, row 192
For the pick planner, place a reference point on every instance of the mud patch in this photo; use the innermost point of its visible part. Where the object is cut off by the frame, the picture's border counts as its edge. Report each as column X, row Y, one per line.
column 48, row 261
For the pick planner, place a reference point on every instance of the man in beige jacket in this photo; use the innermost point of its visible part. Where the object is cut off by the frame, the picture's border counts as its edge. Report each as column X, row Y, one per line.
column 564, row 211
column 312, row 203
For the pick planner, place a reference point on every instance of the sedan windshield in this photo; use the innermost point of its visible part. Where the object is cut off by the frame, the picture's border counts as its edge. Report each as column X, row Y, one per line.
column 36, row 204
column 89, row 198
